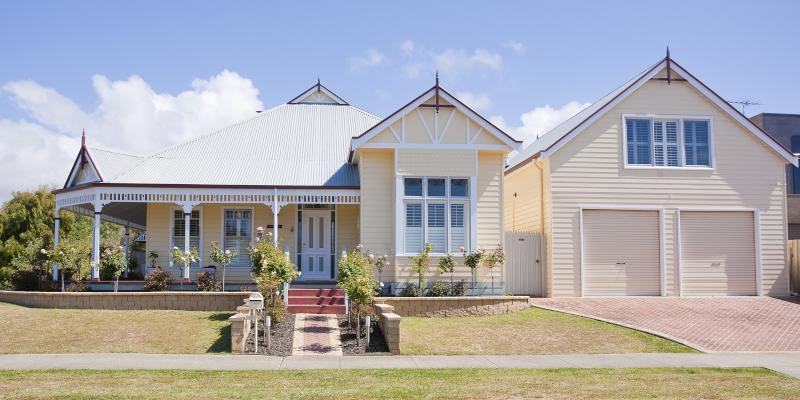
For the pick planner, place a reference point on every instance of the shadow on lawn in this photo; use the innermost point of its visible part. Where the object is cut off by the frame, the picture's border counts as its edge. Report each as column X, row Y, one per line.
column 223, row 342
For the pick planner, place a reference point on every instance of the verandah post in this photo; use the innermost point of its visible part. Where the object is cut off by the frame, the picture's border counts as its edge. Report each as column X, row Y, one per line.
column 187, row 220
column 98, row 213
column 57, row 227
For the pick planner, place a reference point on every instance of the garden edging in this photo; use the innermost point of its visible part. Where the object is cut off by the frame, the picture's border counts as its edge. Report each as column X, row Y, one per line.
column 462, row 306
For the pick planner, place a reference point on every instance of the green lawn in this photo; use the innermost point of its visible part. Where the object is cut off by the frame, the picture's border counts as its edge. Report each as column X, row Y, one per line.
column 44, row 330
column 532, row 331
column 671, row 383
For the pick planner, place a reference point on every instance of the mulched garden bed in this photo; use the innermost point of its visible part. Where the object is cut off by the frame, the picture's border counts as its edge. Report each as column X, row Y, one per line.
column 377, row 343
column 281, row 335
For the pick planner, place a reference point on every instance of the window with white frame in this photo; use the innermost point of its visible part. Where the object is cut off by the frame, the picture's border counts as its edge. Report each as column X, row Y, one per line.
column 658, row 142
column 179, row 230
column 436, row 211
column 238, row 234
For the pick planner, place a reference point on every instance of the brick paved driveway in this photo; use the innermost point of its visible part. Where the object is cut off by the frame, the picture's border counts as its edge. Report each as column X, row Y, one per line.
column 709, row 324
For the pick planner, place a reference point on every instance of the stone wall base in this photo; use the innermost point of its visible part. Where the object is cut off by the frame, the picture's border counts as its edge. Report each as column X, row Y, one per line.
column 454, row 306
column 186, row 301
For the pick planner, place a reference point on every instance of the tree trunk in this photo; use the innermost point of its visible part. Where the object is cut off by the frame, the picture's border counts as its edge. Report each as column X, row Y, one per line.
column 358, row 327
column 223, row 277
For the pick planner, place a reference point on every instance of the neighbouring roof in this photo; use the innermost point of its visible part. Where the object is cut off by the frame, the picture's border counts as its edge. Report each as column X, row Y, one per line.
column 562, row 133
column 302, row 143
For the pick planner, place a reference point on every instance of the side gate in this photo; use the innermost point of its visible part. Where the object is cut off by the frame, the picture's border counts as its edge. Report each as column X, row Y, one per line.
column 525, row 263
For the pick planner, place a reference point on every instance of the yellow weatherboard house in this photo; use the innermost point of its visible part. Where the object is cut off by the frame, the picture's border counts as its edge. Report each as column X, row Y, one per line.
column 319, row 176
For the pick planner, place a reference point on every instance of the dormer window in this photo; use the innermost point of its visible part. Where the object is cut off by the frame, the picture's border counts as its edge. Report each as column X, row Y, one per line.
column 665, row 142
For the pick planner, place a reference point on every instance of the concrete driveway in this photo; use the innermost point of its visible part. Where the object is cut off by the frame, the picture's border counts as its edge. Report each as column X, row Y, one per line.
column 713, row 324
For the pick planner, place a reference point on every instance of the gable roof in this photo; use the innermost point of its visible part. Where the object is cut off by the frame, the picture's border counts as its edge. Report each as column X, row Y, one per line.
column 359, row 140
column 318, row 94
column 557, row 137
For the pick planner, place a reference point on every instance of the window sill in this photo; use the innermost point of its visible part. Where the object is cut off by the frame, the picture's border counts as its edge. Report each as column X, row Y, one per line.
column 691, row 168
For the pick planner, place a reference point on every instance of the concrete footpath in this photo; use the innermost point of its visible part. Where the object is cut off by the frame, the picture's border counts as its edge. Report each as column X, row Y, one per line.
column 787, row 363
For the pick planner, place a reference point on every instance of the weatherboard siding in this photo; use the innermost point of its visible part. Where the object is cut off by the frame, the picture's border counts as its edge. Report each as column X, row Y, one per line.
column 376, row 167
column 589, row 171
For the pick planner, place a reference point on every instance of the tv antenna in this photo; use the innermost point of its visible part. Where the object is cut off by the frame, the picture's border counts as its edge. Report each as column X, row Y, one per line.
column 745, row 103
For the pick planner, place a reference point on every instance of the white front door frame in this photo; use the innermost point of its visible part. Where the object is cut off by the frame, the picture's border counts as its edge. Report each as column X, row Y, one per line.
column 315, row 252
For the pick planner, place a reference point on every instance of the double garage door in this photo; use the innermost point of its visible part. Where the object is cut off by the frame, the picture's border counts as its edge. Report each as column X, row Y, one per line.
column 622, row 253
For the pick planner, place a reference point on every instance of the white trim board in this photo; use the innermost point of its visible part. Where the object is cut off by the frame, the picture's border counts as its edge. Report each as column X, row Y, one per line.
column 361, row 140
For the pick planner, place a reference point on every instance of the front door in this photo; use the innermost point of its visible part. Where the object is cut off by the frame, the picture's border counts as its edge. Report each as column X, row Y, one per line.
column 315, row 256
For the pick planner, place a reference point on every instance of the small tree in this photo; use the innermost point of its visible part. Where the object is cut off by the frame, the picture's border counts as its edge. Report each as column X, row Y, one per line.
column 472, row 260
column 113, row 261
column 66, row 256
column 421, row 263
column 447, row 264
column 493, row 259
column 379, row 264
column 358, row 281
column 221, row 257
column 271, row 268
column 184, row 259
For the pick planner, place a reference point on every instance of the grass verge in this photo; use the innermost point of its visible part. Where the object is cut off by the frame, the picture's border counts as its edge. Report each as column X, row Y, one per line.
column 45, row 330
column 672, row 383
column 532, row 331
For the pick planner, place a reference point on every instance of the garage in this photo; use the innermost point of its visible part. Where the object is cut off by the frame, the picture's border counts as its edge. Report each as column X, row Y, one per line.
column 718, row 253
column 621, row 253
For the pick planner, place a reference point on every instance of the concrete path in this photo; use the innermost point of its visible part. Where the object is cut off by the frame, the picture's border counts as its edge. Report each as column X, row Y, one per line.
column 316, row 335
column 709, row 324
column 787, row 363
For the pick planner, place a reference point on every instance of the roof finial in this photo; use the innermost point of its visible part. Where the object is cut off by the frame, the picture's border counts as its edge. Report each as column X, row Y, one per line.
column 669, row 69
column 318, row 84
column 437, row 77
column 437, row 90
column 83, row 138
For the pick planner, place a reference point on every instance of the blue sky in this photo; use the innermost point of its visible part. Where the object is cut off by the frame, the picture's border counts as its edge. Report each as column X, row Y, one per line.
column 65, row 64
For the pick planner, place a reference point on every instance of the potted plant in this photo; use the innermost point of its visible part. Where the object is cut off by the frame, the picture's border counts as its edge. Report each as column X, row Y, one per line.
column 221, row 257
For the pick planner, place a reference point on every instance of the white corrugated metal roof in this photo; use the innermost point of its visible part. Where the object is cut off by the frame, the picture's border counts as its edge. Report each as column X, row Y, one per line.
column 291, row 145
column 113, row 163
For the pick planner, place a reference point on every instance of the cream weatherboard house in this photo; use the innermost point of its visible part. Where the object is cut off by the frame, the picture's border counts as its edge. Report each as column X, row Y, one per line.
column 320, row 174
column 659, row 188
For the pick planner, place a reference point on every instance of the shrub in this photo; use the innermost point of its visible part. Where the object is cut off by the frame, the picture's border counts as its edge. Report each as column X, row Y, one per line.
column 207, row 282
column 439, row 289
column 410, row 290
column 158, row 280
column 78, row 287
column 277, row 311
column 459, row 288
column 473, row 261
column 358, row 281
column 270, row 268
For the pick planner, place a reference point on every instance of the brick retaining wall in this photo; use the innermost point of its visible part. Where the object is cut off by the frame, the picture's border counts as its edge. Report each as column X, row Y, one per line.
column 454, row 306
column 186, row 301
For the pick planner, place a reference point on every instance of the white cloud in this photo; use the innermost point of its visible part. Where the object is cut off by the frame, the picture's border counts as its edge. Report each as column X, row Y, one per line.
column 539, row 120
column 515, row 46
column 371, row 58
column 130, row 117
column 478, row 102
column 453, row 63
